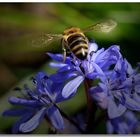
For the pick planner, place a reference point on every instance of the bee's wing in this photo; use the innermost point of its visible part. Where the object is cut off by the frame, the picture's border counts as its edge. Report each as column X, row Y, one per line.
column 45, row 39
column 104, row 26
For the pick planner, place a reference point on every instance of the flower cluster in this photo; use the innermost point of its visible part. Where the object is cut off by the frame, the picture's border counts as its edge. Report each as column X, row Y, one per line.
column 37, row 104
column 117, row 90
column 128, row 123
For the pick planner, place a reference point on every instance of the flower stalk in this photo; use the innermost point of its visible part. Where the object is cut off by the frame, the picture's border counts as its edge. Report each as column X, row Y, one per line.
column 91, row 107
column 70, row 120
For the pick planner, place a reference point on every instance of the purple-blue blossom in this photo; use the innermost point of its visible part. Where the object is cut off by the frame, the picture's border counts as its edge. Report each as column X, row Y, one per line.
column 96, row 66
column 128, row 123
column 120, row 91
column 37, row 104
column 113, row 84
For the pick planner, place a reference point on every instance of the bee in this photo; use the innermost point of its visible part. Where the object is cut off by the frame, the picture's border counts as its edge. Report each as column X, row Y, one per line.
column 73, row 39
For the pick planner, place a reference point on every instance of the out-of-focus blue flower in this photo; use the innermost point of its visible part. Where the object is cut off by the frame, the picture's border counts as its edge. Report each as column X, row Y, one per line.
column 120, row 90
column 96, row 65
column 37, row 104
column 126, row 124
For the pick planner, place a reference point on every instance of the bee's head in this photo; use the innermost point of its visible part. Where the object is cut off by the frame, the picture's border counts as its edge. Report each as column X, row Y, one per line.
column 71, row 30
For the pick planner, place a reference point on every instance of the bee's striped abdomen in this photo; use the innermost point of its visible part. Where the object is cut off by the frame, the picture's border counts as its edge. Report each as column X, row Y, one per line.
column 78, row 45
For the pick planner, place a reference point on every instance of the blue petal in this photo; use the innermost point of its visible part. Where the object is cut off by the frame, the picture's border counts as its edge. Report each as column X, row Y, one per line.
column 24, row 118
column 137, row 89
column 43, row 84
column 130, row 116
column 108, row 57
column 15, row 112
column 57, row 65
column 118, row 71
column 92, row 48
column 127, row 83
column 31, row 124
column 136, row 97
column 30, row 92
column 55, row 118
column 60, row 98
column 133, row 81
column 95, row 89
column 65, row 68
column 131, row 103
column 56, row 87
column 115, row 49
column 41, row 80
column 62, row 77
column 40, row 75
column 115, row 111
column 98, row 69
column 25, row 102
column 110, row 129
column 129, row 68
column 104, row 87
column 115, row 123
column 97, row 73
column 99, row 96
column 123, row 128
column 137, row 79
column 57, row 57
column 72, row 86
column 94, row 57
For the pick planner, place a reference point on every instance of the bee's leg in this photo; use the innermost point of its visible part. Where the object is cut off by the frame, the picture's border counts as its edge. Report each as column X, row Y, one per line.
column 64, row 54
column 64, row 49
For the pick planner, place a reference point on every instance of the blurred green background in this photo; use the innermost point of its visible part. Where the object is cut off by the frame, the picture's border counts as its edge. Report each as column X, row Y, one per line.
column 20, row 23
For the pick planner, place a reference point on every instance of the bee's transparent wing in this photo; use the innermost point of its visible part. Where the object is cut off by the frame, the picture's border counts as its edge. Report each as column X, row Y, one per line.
column 45, row 39
column 104, row 26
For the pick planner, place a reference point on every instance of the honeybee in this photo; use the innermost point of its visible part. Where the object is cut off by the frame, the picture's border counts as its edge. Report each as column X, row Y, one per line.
column 73, row 39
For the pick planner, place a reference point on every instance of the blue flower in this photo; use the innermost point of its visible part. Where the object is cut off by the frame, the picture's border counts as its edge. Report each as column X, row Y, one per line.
column 128, row 123
column 75, row 71
column 116, row 89
column 120, row 90
column 37, row 104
